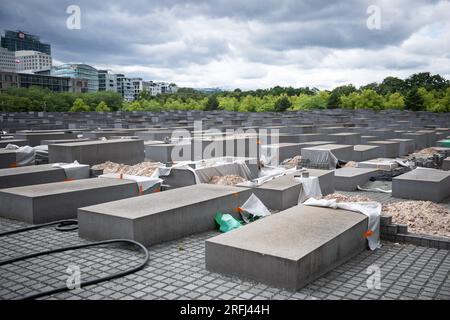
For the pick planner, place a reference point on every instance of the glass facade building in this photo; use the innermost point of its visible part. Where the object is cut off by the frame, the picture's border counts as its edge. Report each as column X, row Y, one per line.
column 78, row 71
column 20, row 40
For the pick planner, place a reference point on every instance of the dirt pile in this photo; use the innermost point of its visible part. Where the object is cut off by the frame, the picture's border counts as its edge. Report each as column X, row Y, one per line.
column 420, row 216
column 145, row 168
column 229, row 180
column 339, row 197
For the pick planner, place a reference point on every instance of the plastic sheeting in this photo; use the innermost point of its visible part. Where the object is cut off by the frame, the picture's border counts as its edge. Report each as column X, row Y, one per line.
column 255, row 207
column 205, row 170
column 310, row 188
column 74, row 170
column 267, row 175
column 371, row 209
column 25, row 155
column 317, row 156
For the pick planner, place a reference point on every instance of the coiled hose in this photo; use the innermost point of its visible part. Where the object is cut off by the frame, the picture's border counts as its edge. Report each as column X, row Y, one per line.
column 69, row 225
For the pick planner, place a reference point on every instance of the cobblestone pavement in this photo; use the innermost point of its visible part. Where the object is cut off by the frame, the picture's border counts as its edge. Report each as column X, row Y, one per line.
column 177, row 271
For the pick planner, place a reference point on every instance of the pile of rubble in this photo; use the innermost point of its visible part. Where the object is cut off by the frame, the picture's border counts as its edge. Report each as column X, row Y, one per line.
column 421, row 216
column 292, row 162
column 229, row 180
column 145, row 168
column 339, row 197
column 427, row 152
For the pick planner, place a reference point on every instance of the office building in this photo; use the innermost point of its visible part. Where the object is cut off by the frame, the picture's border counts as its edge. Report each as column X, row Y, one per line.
column 21, row 40
column 78, row 71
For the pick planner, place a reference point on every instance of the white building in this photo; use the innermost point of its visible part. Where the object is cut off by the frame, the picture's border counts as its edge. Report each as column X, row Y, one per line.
column 7, row 60
column 125, row 87
column 156, row 88
column 107, row 81
column 28, row 61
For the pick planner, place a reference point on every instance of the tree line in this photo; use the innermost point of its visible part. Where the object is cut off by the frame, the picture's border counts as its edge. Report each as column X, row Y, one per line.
column 420, row 91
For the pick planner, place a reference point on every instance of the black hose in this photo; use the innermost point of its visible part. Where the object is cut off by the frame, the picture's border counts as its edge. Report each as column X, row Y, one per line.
column 62, row 224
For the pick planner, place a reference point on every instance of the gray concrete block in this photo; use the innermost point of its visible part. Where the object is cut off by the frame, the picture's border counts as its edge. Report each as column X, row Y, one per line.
column 347, row 179
column 7, row 158
column 362, row 152
column 288, row 249
column 30, row 175
column 446, row 164
column 60, row 200
column 406, row 146
column 422, row 184
column 95, row 152
column 280, row 193
column 35, row 138
column 420, row 139
column 340, row 151
column 388, row 148
column 345, row 138
column 161, row 216
column 17, row 142
column 47, row 142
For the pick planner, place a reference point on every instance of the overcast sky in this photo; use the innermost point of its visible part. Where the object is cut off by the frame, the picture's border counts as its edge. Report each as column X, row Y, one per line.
column 244, row 44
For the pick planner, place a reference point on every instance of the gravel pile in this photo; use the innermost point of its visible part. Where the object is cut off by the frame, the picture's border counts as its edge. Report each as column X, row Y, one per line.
column 421, row 216
column 351, row 164
column 141, row 169
column 229, row 180
column 291, row 163
column 344, row 198
column 427, row 152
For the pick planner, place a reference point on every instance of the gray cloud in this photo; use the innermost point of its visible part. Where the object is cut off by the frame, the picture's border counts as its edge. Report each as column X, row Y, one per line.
column 173, row 37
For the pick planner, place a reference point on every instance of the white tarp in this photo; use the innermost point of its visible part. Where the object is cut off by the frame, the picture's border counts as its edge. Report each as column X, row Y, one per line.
column 255, row 207
column 142, row 182
column 371, row 209
column 74, row 170
column 317, row 156
column 310, row 188
column 268, row 174
column 206, row 169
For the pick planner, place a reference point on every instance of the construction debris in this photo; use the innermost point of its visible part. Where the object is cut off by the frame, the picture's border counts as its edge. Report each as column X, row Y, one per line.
column 427, row 152
column 292, row 162
column 424, row 217
column 339, row 197
column 145, row 168
column 351, row 164
column 229, row 180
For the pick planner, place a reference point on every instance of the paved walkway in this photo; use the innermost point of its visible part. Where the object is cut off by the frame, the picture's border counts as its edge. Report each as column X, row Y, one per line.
column 177, row 271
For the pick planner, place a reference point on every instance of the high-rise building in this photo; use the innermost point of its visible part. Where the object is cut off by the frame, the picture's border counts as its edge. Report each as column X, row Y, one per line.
column 107, row 81
column 20, row 40
column 28, row 61
column 125, row 87
column 7, row 60
column 8, row 80
column 78, row 71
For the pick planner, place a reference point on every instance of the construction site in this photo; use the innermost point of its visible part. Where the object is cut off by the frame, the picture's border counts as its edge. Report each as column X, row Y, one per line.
column 220, row 205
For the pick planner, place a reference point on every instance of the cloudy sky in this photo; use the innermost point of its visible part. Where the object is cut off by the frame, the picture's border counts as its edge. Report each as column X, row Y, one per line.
column 244, row 44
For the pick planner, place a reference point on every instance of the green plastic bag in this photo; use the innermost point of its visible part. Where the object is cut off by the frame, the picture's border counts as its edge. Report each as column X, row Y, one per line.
column 445, row 143
column 226, row 222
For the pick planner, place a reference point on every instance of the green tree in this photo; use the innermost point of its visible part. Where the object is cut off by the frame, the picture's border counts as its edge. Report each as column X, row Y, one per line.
column 102, row 106
column 79, row 106
column 414, row 101
column 394, row 101
column 212, row 103
column 337, row 93
column 282, row 104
